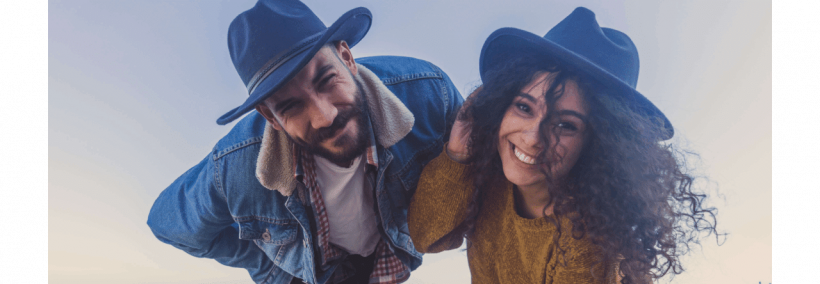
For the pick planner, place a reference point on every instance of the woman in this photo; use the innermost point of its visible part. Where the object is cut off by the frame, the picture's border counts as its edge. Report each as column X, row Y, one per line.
column 556, row 171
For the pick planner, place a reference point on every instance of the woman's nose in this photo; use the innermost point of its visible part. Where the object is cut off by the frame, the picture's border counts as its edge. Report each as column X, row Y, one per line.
column 531, row 136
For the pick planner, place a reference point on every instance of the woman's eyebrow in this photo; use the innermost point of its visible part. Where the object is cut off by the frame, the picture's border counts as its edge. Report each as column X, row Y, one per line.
column 573, row 113
column 527, row 96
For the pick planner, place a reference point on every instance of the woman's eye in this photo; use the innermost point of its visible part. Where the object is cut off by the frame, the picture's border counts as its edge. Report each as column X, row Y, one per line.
column 567, row 126
column 523, row 107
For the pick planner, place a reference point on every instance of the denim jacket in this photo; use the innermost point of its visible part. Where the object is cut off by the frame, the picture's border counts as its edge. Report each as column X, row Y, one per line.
column 239, row 207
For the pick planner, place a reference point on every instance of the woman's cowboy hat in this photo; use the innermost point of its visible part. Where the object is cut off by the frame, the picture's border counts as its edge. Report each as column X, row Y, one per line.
column 606, row 55
column 271, row 42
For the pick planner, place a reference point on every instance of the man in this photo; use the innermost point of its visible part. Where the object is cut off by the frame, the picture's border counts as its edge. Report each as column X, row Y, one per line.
column 314, row 185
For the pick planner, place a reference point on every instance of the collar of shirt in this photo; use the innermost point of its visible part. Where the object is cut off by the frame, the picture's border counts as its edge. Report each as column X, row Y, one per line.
column 387, row 267
column 370, row 154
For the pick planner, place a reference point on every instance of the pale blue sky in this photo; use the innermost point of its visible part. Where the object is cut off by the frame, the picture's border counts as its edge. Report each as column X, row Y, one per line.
column 135, row 88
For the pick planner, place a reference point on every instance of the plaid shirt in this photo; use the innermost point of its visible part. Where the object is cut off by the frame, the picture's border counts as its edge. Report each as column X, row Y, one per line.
column 387, row 268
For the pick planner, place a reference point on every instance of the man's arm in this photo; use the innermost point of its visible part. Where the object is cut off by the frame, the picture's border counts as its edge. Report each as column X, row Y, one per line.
column 456, row 100
column 192, row 215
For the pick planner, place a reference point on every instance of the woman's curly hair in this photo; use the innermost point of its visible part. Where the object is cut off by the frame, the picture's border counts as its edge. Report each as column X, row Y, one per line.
column 629, row 192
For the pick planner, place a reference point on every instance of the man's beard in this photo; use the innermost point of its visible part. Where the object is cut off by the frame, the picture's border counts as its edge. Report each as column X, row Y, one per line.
column 351, row 147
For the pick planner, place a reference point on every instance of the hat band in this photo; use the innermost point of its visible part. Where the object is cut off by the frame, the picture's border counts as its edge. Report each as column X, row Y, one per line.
column 281, row 59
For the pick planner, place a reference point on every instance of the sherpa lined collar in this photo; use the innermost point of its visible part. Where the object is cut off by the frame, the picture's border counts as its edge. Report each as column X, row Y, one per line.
column 390, row 119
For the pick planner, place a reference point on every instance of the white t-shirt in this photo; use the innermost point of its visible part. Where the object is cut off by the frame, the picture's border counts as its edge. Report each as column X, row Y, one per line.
column 348, row 198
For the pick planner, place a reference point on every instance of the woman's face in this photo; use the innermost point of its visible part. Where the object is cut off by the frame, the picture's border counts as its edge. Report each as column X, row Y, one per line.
column 518, row 138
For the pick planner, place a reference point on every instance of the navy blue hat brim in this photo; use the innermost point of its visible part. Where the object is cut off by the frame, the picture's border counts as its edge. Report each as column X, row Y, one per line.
column 350, row 27
column 508, row 43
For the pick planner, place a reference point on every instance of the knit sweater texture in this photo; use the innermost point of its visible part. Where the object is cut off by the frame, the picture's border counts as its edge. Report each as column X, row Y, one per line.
column 505, row 247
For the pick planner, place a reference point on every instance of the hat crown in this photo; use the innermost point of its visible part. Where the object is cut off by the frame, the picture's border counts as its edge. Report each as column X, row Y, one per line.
column 268, row 31
column 578, row 43
column 610, row 49
column 271, row 42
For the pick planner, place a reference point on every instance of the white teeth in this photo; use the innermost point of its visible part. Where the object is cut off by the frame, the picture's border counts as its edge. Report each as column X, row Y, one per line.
column 523, row 157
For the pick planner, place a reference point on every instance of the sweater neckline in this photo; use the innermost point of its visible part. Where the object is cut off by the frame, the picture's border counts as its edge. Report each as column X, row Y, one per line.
column 509, row 210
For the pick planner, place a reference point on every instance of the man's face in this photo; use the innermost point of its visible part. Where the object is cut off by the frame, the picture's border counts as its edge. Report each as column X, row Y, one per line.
column 322, row 107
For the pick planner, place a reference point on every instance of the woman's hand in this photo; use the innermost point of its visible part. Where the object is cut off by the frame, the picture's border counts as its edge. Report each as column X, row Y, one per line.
column 460, row 134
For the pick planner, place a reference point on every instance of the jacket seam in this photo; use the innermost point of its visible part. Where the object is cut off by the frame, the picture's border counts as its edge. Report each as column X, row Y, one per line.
column 265, row 219
column 445, row 95
column 240, row 145
column 270, row 276
column 411, row 77
column 275, row 270
column 218, row 180
column 445, row 100
column 280, row 254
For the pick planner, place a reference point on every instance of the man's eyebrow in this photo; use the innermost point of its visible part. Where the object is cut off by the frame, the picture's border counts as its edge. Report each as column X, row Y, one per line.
column 280, row 105
column 321, row 73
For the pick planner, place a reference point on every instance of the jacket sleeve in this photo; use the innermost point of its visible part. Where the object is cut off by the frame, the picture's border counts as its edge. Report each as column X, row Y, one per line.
column 455, row 101
column 192, row 215
column 439, row 206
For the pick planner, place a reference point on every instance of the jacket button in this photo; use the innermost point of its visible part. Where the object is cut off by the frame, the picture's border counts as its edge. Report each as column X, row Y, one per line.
column 266, row 235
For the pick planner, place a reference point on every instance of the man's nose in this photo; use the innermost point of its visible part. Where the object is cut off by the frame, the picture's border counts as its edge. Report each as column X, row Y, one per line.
column 322, row 113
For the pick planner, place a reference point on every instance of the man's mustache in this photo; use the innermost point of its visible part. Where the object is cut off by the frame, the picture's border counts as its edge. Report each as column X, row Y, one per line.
column 316, row 136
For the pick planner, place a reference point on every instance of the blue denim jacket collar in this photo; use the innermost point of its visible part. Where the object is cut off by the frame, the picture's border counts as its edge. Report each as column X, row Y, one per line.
column 390, row 118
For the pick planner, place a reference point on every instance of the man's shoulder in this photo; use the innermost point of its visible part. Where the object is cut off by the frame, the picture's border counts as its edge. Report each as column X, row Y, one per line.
column 247, row 132
column 399, row 69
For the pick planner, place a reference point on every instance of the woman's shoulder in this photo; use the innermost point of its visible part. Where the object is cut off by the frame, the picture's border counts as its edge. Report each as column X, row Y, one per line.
column 443, row 178
column 439, row 205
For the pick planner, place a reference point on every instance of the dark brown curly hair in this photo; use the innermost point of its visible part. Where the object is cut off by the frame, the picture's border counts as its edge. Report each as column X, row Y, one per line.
column 629, row 192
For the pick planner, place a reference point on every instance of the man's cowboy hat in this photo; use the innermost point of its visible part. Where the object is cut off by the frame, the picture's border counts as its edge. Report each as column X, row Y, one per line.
column 271, row 42
column 604, row 54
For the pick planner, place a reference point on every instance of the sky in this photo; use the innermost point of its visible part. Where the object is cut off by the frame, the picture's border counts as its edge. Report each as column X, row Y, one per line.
column 135, row 88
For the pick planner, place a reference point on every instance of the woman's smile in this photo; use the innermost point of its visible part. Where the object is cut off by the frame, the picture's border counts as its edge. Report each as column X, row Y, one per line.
column 520, row 128
column 523, row 157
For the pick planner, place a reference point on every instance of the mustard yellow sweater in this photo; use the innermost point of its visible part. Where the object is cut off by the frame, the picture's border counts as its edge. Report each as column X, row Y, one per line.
column 506, row 248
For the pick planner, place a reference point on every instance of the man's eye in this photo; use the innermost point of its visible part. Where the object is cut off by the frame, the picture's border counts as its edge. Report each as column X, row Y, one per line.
column 286, row 108
column 326, row 80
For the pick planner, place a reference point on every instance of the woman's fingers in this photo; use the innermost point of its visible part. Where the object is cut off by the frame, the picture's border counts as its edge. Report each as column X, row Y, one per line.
column 460, row 134
column 457, row 146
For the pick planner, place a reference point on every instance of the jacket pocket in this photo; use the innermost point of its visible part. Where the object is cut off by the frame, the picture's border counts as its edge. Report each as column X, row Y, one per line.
column 276, row 232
